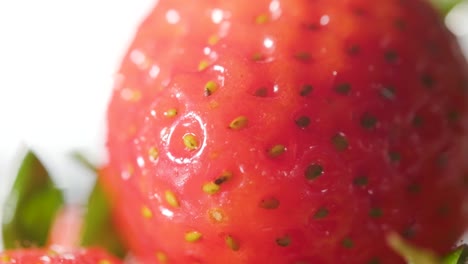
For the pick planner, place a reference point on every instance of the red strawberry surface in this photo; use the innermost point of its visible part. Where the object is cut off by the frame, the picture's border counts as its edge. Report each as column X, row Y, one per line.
column 51, row 256
column 289, row 132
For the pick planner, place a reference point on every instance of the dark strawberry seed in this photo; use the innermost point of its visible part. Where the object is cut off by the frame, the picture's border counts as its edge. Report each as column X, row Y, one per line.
column 417, row 121
column 374, row 261
column 414, row 188
column 283, row 241
column 360, row 181
column 347, row 243
column 375, row 212
column 409, row 232
column 453, row 116
column 391, row 56
column 343, row 88
column 427, row 81
column 368, row 121
column 302, row 121
column 306, row 89
column 353, row 50
column 321, row 213
column 313, row 171
column 340, row 142
column 388, row 93
column 394, row 156
column 269, row 203
column 400, row 24
column 261, row 92
column 303, row 56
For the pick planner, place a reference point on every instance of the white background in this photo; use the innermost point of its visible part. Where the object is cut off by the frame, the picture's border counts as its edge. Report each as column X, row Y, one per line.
column 57, row 59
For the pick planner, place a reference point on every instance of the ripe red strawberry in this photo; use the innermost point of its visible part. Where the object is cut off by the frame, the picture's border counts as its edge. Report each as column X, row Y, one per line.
column 289, row 132
column 78, row 256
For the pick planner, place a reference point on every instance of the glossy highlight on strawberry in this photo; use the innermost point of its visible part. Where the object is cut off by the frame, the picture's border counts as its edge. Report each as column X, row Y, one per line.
column 289, row 132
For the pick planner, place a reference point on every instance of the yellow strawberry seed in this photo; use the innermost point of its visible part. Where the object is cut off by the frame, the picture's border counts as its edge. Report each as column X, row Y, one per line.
column 190, row 141
column 213, row 40
column 232, row 243
column 276, row 151
column 193, row 236
column 239, row 123
column 203, row 65
column 5, row 258
column 210, row 88
column 211, row 188
column 172, row 112
column 146, row 212
column 153, row 153
column 171, row 199
column 261, row 19
column 161, row 257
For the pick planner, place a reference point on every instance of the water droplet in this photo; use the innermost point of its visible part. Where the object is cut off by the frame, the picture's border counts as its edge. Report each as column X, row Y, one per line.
column 140, row 162
column 268, row 43
column 324, row 20
column 129, row 94
column 154, row 71
column 172, row 16
column 138, row 58
column 217, row 15
column 275, row 9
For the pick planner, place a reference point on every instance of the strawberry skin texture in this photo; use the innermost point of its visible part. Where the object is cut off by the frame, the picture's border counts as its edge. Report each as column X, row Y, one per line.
column 37, row 256
column 289, row 132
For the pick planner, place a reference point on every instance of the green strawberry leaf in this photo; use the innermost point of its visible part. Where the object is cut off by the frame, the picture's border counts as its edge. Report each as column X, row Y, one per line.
column 31, row 206
column 457, row 256
column 444, row 6
column 81, row 159
column 98, row 228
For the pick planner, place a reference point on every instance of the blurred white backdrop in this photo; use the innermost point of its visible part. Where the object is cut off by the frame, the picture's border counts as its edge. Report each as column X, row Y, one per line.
column 57, row 59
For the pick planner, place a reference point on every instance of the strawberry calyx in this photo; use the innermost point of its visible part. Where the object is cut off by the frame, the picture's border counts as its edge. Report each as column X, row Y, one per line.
column 98, row 227
column 31, row 205
column 445, row 6
column 458, row 256
column 36, row 215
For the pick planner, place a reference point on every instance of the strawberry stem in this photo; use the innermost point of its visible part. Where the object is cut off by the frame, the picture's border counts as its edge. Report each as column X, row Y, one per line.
column 411, row 253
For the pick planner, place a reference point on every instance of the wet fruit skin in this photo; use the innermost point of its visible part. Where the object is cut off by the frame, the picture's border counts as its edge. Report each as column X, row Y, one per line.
column 289, row 132
column 76, row 256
